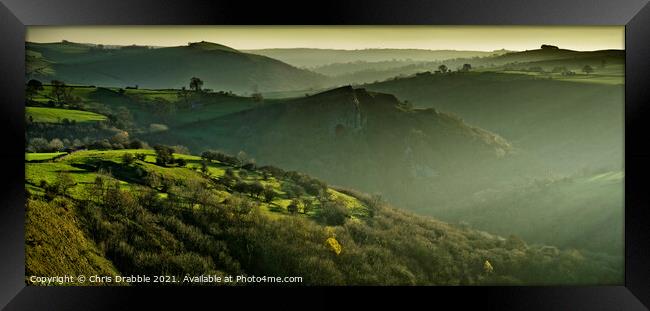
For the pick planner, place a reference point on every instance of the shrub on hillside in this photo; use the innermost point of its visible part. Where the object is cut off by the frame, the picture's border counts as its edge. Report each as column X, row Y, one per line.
column 164, row 155
column 38, row 144
column 293, row 190
column 273, row 170
column 334, row 213
column 128, row 158
column 180, row 149
column 55, row 145
column 256, row 189
column 249, row 166
column 269, row 194
column 241, row 187
column 212, row 155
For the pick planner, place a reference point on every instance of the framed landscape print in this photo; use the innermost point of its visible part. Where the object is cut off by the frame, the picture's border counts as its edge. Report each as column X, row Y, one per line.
column 212, row 147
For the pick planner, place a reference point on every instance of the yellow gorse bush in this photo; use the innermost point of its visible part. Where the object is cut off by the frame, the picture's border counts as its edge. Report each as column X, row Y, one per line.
column 333, row 245
column 487, row 266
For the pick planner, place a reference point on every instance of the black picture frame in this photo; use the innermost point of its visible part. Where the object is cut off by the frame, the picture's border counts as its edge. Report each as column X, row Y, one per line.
column 634, row 14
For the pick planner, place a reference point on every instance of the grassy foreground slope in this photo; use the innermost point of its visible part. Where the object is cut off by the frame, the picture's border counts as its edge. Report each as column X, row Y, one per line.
column 56, row 245
column 195, row 217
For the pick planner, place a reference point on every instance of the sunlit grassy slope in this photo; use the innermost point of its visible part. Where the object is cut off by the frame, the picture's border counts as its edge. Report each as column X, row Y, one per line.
column 42, row 156
column 146, row 106
column 55, row 115
column 83, row 167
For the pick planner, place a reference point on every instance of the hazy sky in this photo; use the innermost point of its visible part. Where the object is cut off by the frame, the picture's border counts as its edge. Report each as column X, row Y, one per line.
column 484, row 38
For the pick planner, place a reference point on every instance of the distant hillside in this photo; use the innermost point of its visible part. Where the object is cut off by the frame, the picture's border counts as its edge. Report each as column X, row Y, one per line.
column 306, row 57
column 608, row 65
column 353, row 137
column 349, row 68
column 220, row 67
column 566, row 125
column 589, row 57
column 558, row 128
column 584, row 211
column 547, row 59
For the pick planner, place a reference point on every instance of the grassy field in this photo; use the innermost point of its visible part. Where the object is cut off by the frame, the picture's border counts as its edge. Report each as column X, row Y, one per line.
column 42, row 156
column 83, row 166
column 144, row 105
column 56, row 115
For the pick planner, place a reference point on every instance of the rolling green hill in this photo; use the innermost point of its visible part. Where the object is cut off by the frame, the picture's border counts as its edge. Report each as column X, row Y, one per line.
column 351, row 68
column 565, row 125
column 610, row 62
column 369, row 141
column 553, row 57
column 112, row 213
column 220, row 67
column 145, row 106
column 345, row 133
column 338, row 69
column 420, row 159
